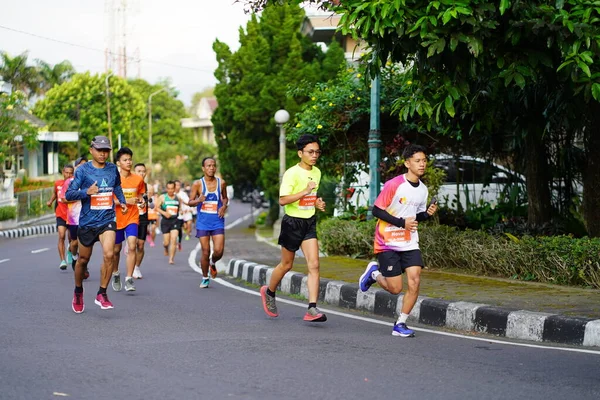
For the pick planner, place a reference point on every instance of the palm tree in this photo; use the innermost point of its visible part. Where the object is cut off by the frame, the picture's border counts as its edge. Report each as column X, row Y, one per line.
column 52, row 75
column 21, row 76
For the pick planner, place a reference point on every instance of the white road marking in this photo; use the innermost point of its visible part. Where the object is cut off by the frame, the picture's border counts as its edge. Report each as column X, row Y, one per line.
column 5, row 260
column 39, row 250
column 221, row 267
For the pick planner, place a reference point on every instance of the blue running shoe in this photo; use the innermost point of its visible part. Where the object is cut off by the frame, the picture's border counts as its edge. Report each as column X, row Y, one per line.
column 402, row 330
column 204, row 283
column 365, row 281
column 69, row 257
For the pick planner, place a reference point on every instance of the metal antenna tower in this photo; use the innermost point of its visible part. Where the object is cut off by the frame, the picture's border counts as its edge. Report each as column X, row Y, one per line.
column 120, row 36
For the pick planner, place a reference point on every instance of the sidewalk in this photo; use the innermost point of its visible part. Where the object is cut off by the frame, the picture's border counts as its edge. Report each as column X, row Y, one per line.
column 514, row 309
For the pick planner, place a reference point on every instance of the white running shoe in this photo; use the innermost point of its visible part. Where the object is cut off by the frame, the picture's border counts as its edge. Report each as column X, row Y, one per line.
column 116, row 281
column 129, row 286
column 137, row 274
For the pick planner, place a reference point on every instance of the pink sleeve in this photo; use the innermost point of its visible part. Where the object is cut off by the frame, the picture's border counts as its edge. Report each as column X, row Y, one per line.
column 389, row 191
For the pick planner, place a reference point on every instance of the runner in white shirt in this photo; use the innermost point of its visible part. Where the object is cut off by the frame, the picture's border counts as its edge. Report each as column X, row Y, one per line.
column 400, row 206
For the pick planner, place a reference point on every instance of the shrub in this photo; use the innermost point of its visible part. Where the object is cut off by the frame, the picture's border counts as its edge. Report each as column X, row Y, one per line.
column 554, row 259
column 348, row 238
column 8, row 212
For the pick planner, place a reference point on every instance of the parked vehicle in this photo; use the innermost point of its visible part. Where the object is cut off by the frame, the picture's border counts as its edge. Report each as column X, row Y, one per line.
column 468, row 180
column 471, row 180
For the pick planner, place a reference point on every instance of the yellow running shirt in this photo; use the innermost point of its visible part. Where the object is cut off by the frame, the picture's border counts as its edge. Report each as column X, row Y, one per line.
column 294, row 181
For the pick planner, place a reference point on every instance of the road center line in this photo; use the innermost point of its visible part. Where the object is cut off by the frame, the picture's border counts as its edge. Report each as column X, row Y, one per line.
column 222, row 267
column 39, row 250
column 5, row 260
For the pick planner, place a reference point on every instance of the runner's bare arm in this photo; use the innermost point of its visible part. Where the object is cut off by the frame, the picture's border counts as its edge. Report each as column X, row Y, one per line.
column 224, row 198
column 195, row 194
column 49, row 203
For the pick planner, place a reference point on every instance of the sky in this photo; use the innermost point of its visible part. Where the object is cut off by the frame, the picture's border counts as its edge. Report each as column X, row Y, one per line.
column 176, row 32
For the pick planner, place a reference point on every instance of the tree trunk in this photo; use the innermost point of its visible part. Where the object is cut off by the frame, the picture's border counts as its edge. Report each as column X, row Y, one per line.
column 591, row 174
column 538, row 191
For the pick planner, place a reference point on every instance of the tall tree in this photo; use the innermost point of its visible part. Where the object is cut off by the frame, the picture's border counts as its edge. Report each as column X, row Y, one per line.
column 53, row 75
column 253, row 84
column 15, row 131
column 81, row 103
column 16, row 71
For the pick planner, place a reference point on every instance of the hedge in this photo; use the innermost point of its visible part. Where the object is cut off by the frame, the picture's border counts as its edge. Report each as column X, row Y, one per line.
column 8, row 212
column 553, row 259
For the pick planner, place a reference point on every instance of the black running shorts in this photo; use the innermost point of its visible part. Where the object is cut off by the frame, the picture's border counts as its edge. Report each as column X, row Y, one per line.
column 169, row 224
column 394, row 263
column 88, row 236
column 295, row 230
column 142, row 230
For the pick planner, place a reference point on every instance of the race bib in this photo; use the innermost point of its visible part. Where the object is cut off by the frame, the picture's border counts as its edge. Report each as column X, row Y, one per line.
column 129, row 193
column 102, row 201
column 307, row 202
column 210, row 207
column 395, row 236
column 173, row 210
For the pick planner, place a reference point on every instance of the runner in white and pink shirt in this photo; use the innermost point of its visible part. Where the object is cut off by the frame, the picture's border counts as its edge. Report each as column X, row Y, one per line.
column 73, row 210
column 400, row 206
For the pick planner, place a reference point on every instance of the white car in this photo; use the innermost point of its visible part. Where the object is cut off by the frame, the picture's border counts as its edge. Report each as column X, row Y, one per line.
column 480, row 181
column 471, row 180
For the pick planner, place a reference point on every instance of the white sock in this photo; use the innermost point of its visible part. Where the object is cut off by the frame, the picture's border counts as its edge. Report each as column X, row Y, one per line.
column 128, row 277
column 402, row 319
column 136, row 266
column 375, row 274
column 205, row 277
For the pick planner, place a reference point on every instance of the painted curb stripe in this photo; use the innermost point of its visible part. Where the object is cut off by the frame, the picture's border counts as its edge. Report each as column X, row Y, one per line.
column 466, row 316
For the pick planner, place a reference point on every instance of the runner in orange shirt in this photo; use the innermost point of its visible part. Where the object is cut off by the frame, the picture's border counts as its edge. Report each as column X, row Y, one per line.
column 61, row 215
column 128, row 223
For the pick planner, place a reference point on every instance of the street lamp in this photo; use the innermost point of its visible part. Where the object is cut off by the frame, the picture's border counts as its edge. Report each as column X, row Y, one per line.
column 150, row 125
column 281, row 117
column 108, row 111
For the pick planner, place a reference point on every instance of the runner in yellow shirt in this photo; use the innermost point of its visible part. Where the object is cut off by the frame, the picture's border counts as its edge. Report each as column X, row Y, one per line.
column 298, row 193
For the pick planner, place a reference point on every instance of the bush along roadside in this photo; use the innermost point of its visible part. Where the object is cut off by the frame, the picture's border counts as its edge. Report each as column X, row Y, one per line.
column 8, row 212
column 551, row 259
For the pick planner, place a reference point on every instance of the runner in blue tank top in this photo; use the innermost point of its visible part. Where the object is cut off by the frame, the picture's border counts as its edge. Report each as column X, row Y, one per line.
column 210, row 195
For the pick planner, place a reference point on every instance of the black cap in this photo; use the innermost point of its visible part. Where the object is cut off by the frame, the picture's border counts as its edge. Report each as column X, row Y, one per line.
column 101, row 143
column 79, row 160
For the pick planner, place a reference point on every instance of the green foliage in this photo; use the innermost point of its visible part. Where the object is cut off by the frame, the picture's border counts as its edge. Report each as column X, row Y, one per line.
column 83, row 100
column 559, row 259
column 252, row 85
column 15, row 129
column 8, row 212
column 346, row 237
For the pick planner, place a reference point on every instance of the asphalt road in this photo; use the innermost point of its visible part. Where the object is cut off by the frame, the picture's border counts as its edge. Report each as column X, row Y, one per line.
column 172, row 340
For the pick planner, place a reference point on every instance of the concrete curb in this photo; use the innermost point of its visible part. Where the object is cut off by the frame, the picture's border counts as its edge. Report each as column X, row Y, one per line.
column 465, row 316
column 28, row 231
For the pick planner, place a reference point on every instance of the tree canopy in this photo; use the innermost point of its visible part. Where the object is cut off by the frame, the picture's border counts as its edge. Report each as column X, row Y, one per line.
column 253, row 84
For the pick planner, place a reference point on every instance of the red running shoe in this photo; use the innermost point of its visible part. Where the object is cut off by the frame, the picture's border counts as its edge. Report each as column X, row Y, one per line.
column 314, row 315
column 77, row 304
column 268, row 302
column 103, row 301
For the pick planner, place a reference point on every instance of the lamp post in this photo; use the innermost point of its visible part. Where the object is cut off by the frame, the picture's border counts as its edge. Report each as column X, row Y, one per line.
column 150, row 126
column 281, row 117
column 108, row 111
column 374, row 144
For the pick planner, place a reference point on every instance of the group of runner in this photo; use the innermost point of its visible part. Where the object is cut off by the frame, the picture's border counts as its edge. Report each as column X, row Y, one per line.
column 399, row 208
column 98, row 201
